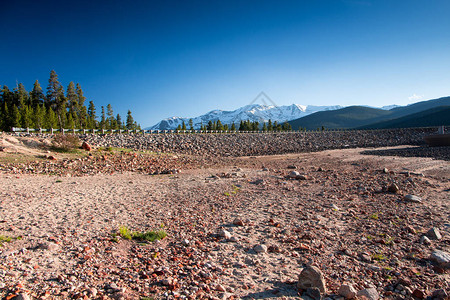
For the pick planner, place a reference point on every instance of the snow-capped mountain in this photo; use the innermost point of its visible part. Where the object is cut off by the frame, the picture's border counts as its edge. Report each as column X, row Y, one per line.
column 252, row 112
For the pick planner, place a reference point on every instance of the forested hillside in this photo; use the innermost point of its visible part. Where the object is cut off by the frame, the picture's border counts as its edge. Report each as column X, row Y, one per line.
column 59, row 107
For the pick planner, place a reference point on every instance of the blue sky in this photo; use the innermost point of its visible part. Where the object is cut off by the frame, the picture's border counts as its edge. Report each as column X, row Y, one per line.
column 185, row 58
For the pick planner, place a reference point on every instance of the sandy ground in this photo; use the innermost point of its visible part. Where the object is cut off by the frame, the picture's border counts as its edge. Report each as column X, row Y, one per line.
column 63, row 247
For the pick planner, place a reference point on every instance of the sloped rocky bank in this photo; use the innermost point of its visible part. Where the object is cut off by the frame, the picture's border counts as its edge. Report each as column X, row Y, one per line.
column 249, row 144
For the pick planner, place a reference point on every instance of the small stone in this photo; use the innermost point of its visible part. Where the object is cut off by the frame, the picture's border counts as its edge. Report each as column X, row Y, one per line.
column 238, row 222
column 347, row 291
column 412, row 198
column 291, row 167
column 365, row 257
column 302, row 177
column 265, row 169
column 220, row 288
column 313, row 293
column 311, row 277
column 225, row 234
column 166, row 281
column 434, row 234
column 393, row 188
column 424, row 240
column 51, row 157
column 369, row 293
column 92, row 292
column 334, row 207
column 418, row 294
column 385, row 170
column 21, row 296
column 260, row 248
column 294, row 174
column 186, row 242
column 234, row 239
column 86, row 146
column 442, row 258
column 439, row 294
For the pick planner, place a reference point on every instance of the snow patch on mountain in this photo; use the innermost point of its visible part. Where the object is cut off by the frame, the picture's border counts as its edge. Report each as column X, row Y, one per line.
column 252, row 112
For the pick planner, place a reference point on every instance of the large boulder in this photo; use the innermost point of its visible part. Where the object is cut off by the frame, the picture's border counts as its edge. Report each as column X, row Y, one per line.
column 311, row 277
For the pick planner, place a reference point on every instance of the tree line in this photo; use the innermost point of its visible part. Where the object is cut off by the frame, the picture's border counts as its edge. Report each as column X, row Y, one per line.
column 57, row 108
column 243, row 126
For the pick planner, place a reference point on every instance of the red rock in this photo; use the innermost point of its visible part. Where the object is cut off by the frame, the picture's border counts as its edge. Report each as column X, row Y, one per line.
column 86, row 146
column 418, row 294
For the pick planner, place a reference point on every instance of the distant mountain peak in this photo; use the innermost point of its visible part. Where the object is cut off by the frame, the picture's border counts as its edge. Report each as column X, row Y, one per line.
column 253, row 112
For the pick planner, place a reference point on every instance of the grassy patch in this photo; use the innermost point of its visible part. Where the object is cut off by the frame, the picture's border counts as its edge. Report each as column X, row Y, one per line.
column 148, row 236
column 374, row 216
column 7, row 239
column 378, row 257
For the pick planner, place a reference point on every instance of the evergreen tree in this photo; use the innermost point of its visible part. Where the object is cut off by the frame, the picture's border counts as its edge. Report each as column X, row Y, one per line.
column 72, row 102
column 191, row 125
column 119, row 122
column 103, row 119
column 39, row 116
column 50, row 120
column 269, row 125
column 26, row 117
column 111, row 121
column 219, row 125
column 210, row 125
column 54, row 89
column 92, row 116
column 264, row 128
column 37, row 96
column 178, row 128
column 82, row 111
column 233, row 127
column 70, row 124
column 130, row 121
column 183, row 126
column 225, row 127
column 21, row 96
column 15, row 116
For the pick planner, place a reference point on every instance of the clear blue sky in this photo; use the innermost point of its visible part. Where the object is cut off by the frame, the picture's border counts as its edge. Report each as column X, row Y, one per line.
column 184, row 58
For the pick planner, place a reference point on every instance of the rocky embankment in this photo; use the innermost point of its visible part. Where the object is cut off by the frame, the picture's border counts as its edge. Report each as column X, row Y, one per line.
column 249, row 144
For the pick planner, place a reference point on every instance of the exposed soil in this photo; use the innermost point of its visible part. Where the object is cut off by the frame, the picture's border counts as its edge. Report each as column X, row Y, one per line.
column 338, row 217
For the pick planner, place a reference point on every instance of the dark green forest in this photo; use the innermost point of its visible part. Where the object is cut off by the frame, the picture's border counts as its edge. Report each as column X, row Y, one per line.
column 58, row 108
column 243, row 126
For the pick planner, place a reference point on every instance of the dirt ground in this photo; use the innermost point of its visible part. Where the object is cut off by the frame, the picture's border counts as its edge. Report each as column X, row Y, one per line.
column 338, row 216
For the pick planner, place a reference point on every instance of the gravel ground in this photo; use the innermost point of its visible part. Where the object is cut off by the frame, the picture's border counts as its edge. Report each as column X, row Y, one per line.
column 241, row 229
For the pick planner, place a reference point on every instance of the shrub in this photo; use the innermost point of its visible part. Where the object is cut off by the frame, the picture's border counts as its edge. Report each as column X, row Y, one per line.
column 65, row 142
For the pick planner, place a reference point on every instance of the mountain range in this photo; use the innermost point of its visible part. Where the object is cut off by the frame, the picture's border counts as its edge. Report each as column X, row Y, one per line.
column 252, row 112
column 425, row 113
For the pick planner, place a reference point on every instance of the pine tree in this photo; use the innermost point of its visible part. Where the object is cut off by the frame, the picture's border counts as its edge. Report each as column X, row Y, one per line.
column 26, row 117
column 233, row 127
column 37, row 96
column 191, row 125
column 130, row 121
column 111, row 121
column 219, row 125
column 103, row 118
column 54, row 89
column 119, row 122
column 92, row 116
column 269, row 125
column 15, row 116
column 51, row 120
column 39, row 116
column 210, row 125
column 72, row 103
column 264, row 128
column 82, row 111
column 183, row 126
